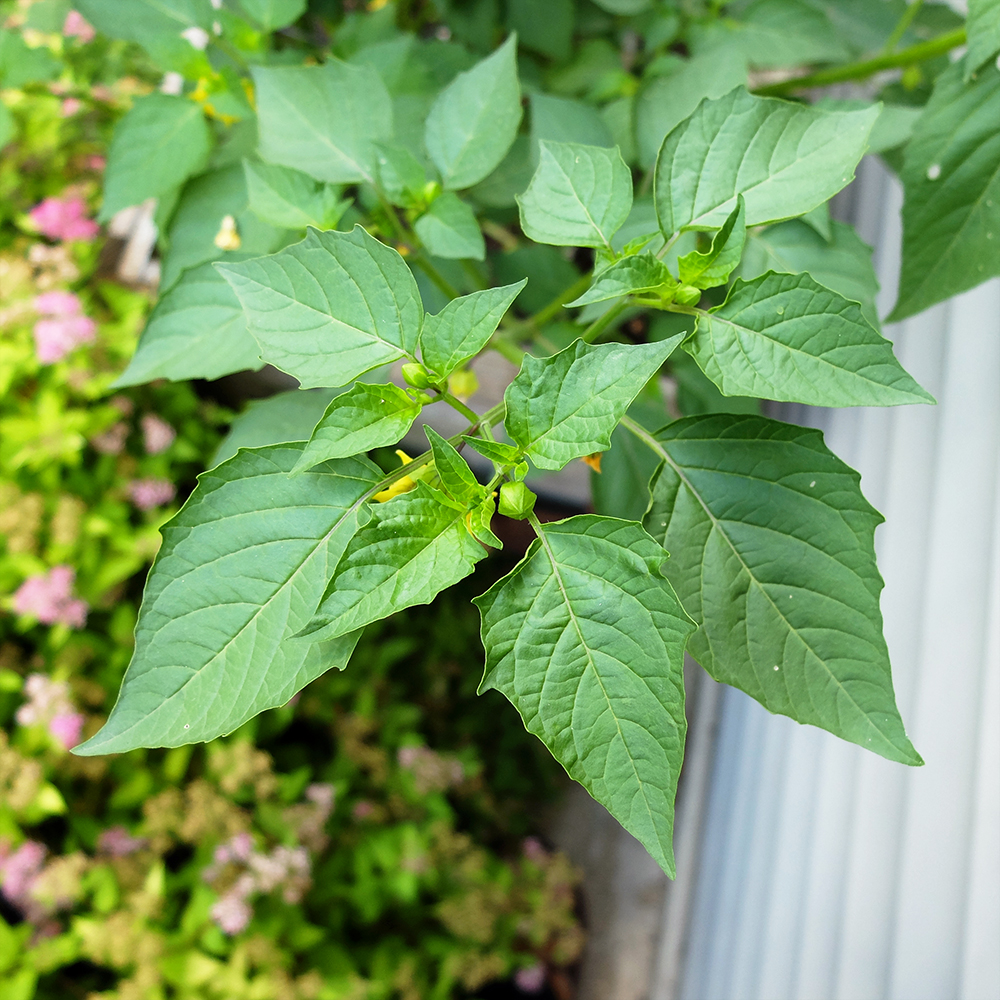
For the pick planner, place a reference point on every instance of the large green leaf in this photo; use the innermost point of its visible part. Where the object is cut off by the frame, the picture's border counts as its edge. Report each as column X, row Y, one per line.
column 579, row 195
column 274, row 14
column 291, row 199
column 323, row 120
column 784, row 158
column 414, row 547
column 241, row 569
column 773, row 555
column 449, row 229
column 473, row 122
column 464, row 326
column 629, row 276
column 330, row 308
column 364, row 417
column 951, row 181
column 566, row 406
column 586, row 638
column 984, row 34
column 843, row 262
column 197, row 330
column 157, row 146
column 789, row 33
column 786, row 337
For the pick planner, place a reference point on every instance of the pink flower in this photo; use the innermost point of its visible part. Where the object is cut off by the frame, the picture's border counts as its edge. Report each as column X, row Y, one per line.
column 56, row 336
column 533, row 849
column 232, row 913
column 96, row 162
column 111, row 441
column 47, row 597
column 157, row 434
column 152, row 492
column 362, row 810
column 67, row 728
column 58, row 303
column 76, row 26
column 530, row 980
column 70, row 106
column 64, row 220
column 20, row 869
column 118, row 842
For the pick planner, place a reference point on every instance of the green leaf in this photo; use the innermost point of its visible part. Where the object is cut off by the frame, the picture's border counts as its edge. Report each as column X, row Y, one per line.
column 21, row 64
column 496, row 451
column 400, row 174
column 557, row 119
column 457, row 479
column 146, row 18
column 157, row 146
column 290, row 199
column 464, row 326
column 641, row 273
column 789, row 33
column 784, row 158
column 274, row 14
column 773, row 554
column 586, row 639
column 566, row 406
column 473, row 122
column 8, row 128
column 843, row 262
column 414, row 547
column 323, row 120
column 786, row 337
column 364, row 417
column 449, row 229
column 480, row 518
column 330, row 308
column 197, row 330
column 546, row 28
column 241, row 568
column 706, row 270
column 579, row 195
column 983, row 29
column 951, row 183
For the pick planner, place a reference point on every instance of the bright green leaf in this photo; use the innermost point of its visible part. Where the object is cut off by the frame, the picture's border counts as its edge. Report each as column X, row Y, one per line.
column 290, row 199
column 449, row 229
column 464, row 326
column 706, row 270
column 197, row 330
column 241, row 568
column 951, row 183
column 586, row 638
column 323, row 120
column 413, row 548
column 7, row 125
column 566, row 406
column 274, row 14
column 457, row 479
column 364, row 417
column 786, row 337
column 772, row 553
column 784, row 158
column 474, row 120
column 330, row 308
column 480, row 518
column 641, row 273
column 21, row 64
column 983, row 29
column 496, row 451
column 579, row 195
column 157, row 146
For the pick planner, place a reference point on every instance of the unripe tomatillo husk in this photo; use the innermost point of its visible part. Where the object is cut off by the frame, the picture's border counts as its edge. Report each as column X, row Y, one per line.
column 516, row 501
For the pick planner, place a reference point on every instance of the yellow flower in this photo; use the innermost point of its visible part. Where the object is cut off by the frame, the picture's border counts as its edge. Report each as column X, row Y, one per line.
column 403, row 485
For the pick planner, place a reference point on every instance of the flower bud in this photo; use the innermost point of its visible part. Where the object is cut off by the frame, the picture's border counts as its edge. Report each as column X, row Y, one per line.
column 516, row 501
column 415, row 374
column 687, row 295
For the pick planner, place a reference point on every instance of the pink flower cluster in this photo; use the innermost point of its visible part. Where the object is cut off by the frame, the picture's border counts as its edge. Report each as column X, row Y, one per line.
column 157, row 434
column 47, row 597
column 118, row 842
column 63, row 328
column 19, row 871
column 151, row 492
column 284, row 868
column 64, row 219
column 77, row 26
column 49, row 705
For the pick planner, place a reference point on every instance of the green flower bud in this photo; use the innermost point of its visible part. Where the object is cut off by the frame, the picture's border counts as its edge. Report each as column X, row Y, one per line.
column 687, row 295
column 416, row 374
column 516, row 501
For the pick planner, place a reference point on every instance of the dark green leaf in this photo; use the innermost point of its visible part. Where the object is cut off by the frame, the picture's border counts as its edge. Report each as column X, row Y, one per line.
column 543, row 27
column 586, row 638
column 984, row 34
column 449, row 229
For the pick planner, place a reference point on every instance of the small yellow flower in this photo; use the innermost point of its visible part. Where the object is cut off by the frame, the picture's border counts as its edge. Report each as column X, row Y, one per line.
column 227, row 238
column 403, row 485
column 594, row 460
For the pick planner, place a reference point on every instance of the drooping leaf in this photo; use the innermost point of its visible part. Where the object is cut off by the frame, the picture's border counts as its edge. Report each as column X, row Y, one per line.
column 579, row 195
column 159, row 144
column 414, row 547
column 323, row 120
column 786, row 337
column 364, row 417
column 951, row 183
column 330, row 308
column 449, row 229
column 983, row 30
column 586, row 638
column 457, row 479
column 706, row 270
column 274, row 14
column 772, row 553
column 290, row 199
column 629, row 276
column 566, row 406
column 197, row 330
column 474, row 120
column 784, row 158
column 464, row 326
column 241, row 568
column 842, row 262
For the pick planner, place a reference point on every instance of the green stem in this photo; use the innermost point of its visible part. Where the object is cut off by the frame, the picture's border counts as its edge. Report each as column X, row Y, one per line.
column 508, row 349
column 547, row 312
column 904, row 22
column 456, row 404
column 867, row 67
column 442, row 283
column 603, row 322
